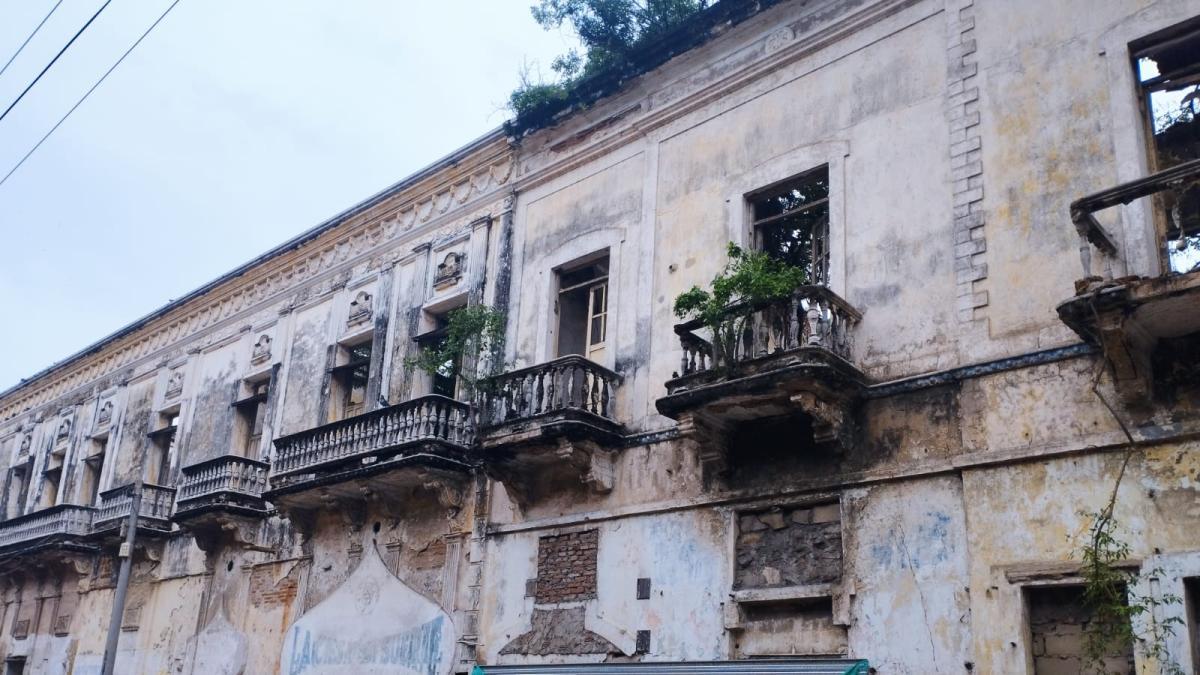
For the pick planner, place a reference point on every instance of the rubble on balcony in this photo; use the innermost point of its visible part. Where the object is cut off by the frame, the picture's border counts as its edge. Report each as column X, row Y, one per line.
column 154, row 510
column 63, row 527
column 550, row 421
column 789, row 362
column 422, row 444
column 1133, row 317
column 222, row 498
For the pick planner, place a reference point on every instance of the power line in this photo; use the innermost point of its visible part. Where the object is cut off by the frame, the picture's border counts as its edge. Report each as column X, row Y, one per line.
column 35, row 32
column 55, row 59
column 89, row 91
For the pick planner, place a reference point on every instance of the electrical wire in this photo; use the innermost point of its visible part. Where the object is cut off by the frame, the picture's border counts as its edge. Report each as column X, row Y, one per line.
column 35, row 32
column 89, row 91
column 54, row 60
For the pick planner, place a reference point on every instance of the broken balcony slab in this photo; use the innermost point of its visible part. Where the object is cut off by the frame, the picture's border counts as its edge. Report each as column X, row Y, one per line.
column 1130, row 318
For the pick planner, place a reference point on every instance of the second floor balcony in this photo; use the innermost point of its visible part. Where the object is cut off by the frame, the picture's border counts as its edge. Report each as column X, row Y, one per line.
column 385, row 450
column 770, row 361
column 154, row 506
column 64, row 526
column 557, row 417
column 228, row 483
column 1140, row 321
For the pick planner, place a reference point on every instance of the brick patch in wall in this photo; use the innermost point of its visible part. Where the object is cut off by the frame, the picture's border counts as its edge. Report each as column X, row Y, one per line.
column 265, row 591
column 567, row 567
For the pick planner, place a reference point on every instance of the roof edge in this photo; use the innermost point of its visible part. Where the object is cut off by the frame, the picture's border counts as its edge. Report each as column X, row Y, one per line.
column 289, row 245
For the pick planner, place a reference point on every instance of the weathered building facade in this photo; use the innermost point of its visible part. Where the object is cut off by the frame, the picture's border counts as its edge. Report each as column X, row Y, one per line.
column 894, row 465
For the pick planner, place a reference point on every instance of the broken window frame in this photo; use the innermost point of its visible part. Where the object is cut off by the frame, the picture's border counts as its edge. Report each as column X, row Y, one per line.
column 445, row 381
column 163, row 441
column 817, row 263
column 251, row 413
column 1171, row 242
column 594, row 301
column 93, row 471
column 343, row 379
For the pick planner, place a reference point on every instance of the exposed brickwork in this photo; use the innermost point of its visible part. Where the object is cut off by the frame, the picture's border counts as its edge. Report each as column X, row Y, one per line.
column 789, row 547
column 567, row 567
column 1058, row 621
column 966, row 163
column 265, row 591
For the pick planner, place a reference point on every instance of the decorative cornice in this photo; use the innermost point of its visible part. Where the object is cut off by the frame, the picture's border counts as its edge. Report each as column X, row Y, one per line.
column 446, row 192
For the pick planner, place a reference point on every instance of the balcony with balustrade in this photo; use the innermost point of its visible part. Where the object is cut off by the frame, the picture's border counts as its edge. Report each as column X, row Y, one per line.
column 785, row 359
column 554, row 418
column 62, row 527
column 389, row 452
column 153, row 510
column 228, row 483
column 1146, row 325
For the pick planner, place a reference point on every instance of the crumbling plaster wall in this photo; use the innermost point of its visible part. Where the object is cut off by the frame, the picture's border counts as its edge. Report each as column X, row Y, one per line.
column 1156, row 512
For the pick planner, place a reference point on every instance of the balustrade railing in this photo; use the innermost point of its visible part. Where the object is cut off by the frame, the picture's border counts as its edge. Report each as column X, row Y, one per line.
column 1177, row 195
column 62, row 520
column 429, row 418
column 116, row 504
column 567, row 383
column 238, row 475
column 813, row 316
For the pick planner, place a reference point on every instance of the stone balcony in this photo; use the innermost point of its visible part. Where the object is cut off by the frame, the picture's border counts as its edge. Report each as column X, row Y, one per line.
column 422, row 443
column 555, row 418
column 65, row 526
column 788, row 359
column 153, row 512
column 1143, row 324
column 222, row 495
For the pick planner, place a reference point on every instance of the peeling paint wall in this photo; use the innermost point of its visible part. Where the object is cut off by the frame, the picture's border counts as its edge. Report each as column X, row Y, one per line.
column 955, row 133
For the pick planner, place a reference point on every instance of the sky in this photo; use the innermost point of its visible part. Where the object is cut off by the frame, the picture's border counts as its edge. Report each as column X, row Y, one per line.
column 234, row 126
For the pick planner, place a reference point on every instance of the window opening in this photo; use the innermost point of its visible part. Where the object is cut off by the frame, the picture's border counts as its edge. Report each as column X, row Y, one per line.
column 791, row 222
column 350, row 382
column 583, row 309
column 93, row 465
column 158, row 464
column 251, row 412
column 1168, row 74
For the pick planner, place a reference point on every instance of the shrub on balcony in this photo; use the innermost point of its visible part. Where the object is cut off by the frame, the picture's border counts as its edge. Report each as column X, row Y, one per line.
column 750, row 279
column 471, row 350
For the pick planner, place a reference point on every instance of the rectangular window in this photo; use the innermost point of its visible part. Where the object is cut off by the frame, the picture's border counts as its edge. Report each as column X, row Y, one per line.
column 162, row 447
column 1168, row 73
column 93, row 465
column 583, row 309
column 51, row 479
column 349, row 382
column 444, row 382
column 251, row 412
column 791, row 222
column 17, row 484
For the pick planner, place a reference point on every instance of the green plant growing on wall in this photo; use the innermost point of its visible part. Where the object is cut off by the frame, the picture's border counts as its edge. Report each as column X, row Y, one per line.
column 1109, row 590
column 609, row 31
column 750, row 279
column 470, row 350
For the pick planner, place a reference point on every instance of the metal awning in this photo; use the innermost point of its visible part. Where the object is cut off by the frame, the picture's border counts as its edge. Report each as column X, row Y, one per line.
column 752, row 667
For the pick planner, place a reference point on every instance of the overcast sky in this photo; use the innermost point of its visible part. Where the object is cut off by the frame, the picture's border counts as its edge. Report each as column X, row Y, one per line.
column 235, row 125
